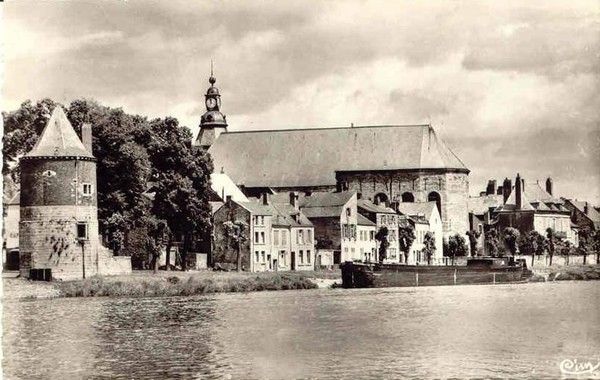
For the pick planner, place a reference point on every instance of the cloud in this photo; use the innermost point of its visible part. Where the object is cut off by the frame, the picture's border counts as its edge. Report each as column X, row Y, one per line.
column 510, row 86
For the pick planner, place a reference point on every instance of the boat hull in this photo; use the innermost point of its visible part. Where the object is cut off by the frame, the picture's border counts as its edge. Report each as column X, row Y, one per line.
column 360, row 275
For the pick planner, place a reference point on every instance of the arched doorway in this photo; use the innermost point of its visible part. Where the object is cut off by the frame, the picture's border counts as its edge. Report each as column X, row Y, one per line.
column 435, row 197
column 380, row 198
column 408, row 197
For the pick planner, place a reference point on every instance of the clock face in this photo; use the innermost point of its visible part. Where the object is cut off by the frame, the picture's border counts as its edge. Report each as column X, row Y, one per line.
column 211, row 102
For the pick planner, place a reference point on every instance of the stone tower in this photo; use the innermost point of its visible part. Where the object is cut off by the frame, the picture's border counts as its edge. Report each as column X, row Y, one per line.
column 58, row 228
column 213, row 122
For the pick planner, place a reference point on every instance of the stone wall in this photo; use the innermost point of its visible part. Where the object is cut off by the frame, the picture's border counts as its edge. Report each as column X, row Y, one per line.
column 48, row 239
column 452, row 186
column 543, row 261
column 55, row 182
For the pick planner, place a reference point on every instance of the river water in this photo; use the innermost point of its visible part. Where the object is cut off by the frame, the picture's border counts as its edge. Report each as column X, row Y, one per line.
column 501, row 331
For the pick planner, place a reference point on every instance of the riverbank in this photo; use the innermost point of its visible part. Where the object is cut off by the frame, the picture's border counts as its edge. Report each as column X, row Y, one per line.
column 567, row 273
column 168, row 283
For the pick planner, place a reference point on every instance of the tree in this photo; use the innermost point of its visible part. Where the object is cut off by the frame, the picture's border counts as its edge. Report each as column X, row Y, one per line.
column 406, row 237
column 382, row 237
column 236, row 233
column 21, row 131
column 473, row 236
column 551, row 236
column 532, row 244
column 511, row 236
column 565, row 248
column 457, row 246
column 492, row 242
column 429, row 246
column 182, row 183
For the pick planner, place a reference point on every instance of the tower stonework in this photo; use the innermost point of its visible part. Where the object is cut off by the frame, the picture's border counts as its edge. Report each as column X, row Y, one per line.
column 58, row 228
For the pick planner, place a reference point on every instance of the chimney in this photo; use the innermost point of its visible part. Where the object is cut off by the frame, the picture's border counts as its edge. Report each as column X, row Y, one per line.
column 506, row 189
column 294, row 200
column 549, row 185
column 518, row 191
column 491, row 187
column 86, row 136
column 586, row 208
column 338, row 186
column 499, row 191
column 265, row 198
column 358, row 195
column 228, row 200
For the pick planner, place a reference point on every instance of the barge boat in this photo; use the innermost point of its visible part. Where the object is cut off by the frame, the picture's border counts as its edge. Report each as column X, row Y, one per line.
column 479, row 270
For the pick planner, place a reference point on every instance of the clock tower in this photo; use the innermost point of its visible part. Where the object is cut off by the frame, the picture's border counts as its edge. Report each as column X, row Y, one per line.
column 213, row 122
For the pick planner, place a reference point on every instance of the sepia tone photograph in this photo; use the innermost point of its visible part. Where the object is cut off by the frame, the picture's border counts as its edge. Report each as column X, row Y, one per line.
column 300, row 189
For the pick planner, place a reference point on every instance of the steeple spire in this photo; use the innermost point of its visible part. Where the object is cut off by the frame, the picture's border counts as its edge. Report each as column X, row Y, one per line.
column 213, row 122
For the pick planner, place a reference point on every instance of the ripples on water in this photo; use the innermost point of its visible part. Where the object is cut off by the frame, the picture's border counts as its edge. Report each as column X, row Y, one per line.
column 506, row 331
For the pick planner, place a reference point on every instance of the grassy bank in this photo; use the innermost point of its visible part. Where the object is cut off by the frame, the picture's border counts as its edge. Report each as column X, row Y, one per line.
column 162, row 286
column 568, row 273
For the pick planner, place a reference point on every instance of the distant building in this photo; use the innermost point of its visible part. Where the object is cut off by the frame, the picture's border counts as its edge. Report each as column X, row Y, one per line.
column 530, row 207
column 583, row 214
column 10, row 225
column 386, row 217
column 366, row 245
column 387, row 164
column 279, row 236
column 58, row 227
column 335, row 219
column 425, row 218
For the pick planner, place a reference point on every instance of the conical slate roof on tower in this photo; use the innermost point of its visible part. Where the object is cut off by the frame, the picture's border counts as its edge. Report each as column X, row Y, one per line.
column 59, row 139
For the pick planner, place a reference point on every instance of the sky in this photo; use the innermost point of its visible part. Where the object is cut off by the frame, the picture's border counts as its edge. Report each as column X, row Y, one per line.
column 510, row 86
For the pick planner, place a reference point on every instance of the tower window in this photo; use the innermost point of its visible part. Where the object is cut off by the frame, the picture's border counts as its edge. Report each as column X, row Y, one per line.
column 87, row 189
column 82, row 231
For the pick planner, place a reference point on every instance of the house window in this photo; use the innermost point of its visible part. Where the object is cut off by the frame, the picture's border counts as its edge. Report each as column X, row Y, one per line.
column 480, row 228
column 82, row 231
column 256, row 259
column 284, row 237
column 262, row 237
column 301, row 236
column 372, row 235
column 87, row 189
column 301, row 257
column 348, row 212
column 283, row 258
column 276, row 237
column 308, row 256
column 256, row 237
column 308, row 236
column 262, row 255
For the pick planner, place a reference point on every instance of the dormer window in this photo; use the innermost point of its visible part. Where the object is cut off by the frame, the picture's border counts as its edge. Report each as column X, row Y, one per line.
column 348, row 212
column 87, row 189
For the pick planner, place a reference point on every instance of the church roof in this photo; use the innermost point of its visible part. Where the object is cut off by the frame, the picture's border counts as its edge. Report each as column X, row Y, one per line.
column 59, row 139
column 310, row 157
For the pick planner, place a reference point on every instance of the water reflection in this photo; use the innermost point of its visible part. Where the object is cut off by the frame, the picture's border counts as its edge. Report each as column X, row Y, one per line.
column 516, row 331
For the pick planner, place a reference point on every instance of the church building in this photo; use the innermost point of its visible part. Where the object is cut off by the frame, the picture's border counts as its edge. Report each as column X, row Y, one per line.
column 385, row 164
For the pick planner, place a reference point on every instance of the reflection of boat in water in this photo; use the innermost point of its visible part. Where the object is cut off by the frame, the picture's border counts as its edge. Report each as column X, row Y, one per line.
column 479, row 270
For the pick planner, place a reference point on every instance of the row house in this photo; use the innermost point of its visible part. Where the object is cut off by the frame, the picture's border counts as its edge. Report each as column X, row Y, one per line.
column 530, row 207
column 382, row 216
column 424, row 217
column 278, row 237
column 334, row 217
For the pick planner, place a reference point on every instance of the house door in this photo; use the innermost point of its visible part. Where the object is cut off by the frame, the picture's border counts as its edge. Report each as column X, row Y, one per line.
column 270, row 262
column 275, row 264
column 293, row 260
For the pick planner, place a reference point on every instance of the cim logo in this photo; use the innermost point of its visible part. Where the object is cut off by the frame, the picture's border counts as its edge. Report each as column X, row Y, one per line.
column 575, row 368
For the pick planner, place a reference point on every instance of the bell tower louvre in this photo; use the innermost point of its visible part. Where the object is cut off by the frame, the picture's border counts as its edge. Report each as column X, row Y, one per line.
column 212, row 122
